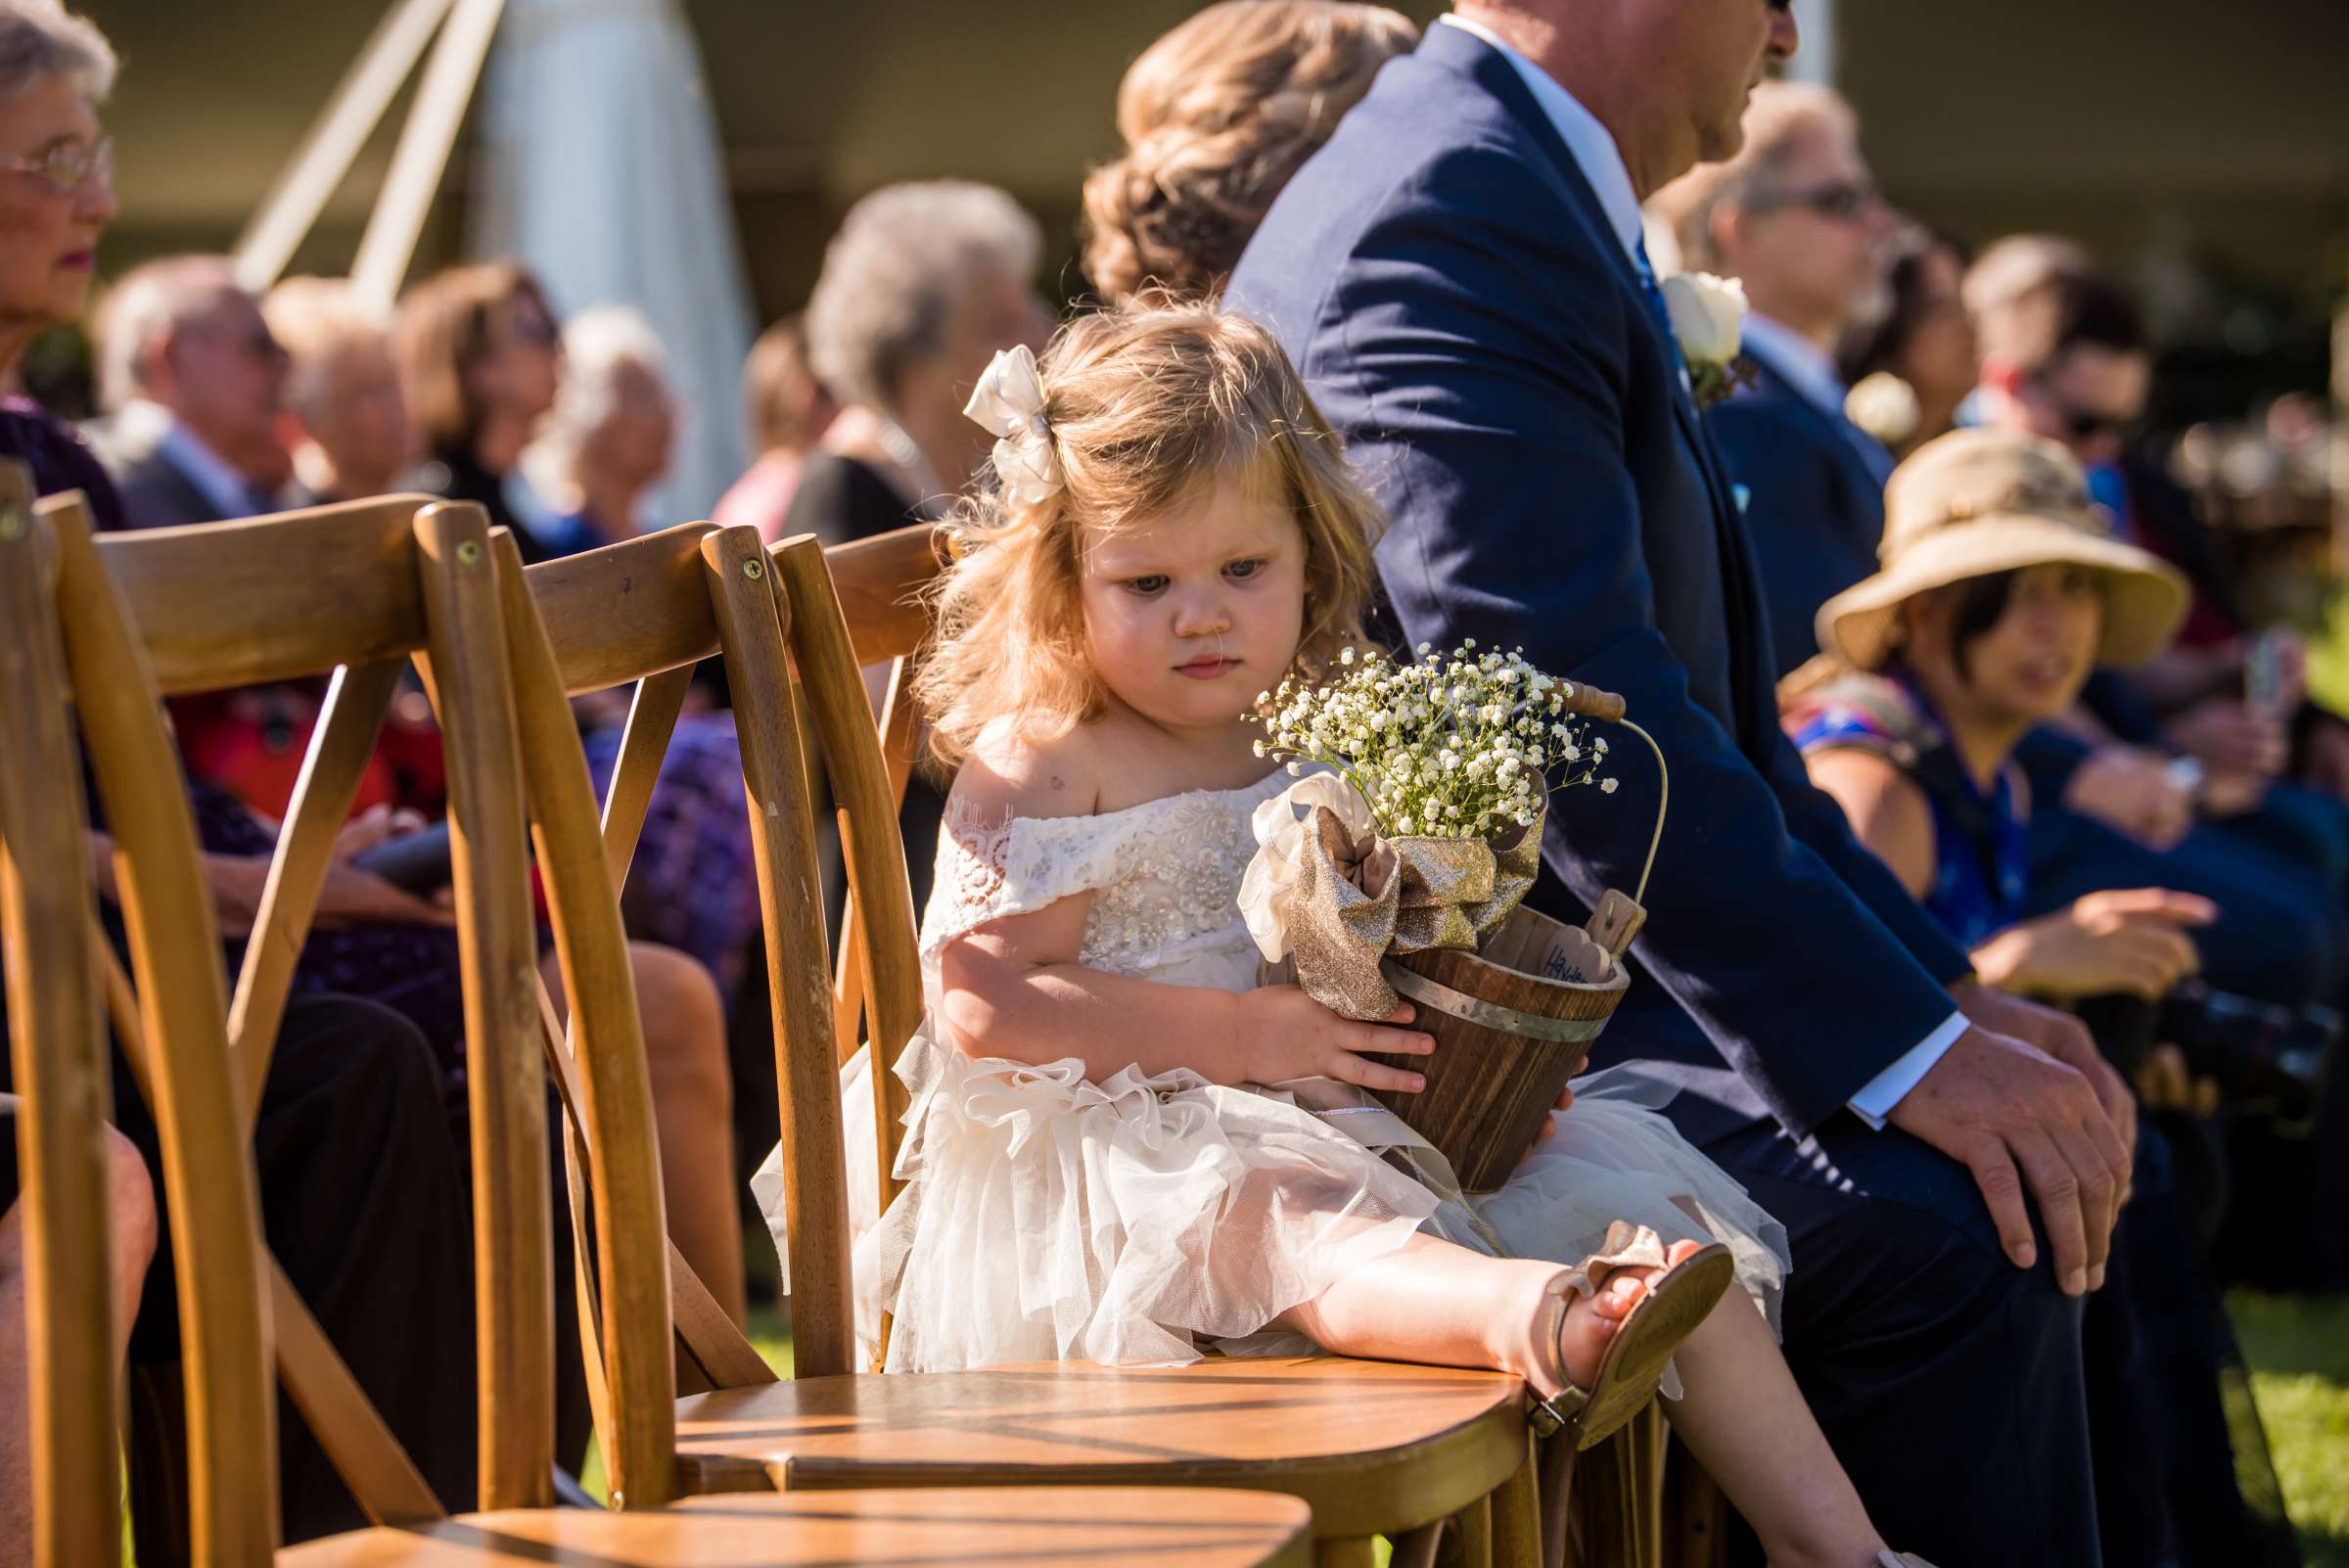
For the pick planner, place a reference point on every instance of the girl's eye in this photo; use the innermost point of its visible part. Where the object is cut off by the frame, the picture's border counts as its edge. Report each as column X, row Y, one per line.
column 1154, row 584
column 1242, row 570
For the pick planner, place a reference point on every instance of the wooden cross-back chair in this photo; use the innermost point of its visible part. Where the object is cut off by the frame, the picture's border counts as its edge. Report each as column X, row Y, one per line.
column 351, row 588
column 1616, row 1498
column 1376, row 1448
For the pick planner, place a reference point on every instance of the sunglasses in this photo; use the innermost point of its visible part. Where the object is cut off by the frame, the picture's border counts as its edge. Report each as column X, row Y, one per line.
column 1842, row 200
column 67, row 167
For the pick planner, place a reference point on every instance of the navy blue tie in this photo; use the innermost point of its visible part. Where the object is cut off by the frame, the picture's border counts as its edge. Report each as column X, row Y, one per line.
column 1652, row 293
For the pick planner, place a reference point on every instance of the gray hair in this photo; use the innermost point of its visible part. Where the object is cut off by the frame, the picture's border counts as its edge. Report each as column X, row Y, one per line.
column 598, row 343
column 315, row 319
column 150, row 300
column 896, row 270
column 40, row 39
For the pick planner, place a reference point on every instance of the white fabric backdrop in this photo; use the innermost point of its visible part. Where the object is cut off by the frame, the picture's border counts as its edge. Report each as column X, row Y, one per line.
column 600, row 168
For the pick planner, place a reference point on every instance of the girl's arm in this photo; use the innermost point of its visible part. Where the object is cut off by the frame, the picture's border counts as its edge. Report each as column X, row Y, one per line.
column 1888, row 811
column 1015, row 987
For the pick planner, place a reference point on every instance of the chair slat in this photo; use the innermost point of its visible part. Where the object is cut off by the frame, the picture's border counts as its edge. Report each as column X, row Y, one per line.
column 652, row 719
column 900, row 729
column 497, row 938
column 622, row 611
column 875, row 853
column 879, row 582
column 791, row 899
column 191, row 593
column 625, row 1171
column 58, row 1050
column 340, row 748
column 208, row 1182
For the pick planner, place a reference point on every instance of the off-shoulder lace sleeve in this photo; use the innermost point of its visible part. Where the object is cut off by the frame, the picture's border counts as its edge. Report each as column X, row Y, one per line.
column 993, row 868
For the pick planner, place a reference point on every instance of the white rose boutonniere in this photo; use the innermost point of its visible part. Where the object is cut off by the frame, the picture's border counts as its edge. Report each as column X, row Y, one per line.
column 1708, row 318
column 1884, row 406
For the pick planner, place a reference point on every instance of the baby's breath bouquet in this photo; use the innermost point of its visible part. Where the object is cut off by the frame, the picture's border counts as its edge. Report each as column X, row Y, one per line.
column 1416, row 823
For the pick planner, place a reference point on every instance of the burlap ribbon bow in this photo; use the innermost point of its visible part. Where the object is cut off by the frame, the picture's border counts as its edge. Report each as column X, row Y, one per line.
column 1327, row 889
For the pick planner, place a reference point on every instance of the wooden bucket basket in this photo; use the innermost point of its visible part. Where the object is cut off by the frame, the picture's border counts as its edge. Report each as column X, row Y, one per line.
column 1513, row 1021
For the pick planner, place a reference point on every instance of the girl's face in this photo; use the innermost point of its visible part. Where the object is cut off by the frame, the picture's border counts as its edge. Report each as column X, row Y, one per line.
column 1188, row 617
column 2029, row 667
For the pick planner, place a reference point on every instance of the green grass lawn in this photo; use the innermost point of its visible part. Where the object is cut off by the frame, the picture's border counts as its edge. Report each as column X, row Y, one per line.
column 2299, row 1348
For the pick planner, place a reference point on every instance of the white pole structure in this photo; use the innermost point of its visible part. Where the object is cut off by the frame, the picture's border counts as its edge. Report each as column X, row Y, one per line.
column 424, row 143
column 1817, row 60
column 334, row 141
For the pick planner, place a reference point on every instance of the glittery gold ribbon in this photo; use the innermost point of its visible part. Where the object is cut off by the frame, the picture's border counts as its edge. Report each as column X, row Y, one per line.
column 1357, row 898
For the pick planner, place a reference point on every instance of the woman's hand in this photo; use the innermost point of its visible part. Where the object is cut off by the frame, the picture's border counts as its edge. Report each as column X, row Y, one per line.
column 2133, row 792
column 2134, row 941
column 1293, row 1035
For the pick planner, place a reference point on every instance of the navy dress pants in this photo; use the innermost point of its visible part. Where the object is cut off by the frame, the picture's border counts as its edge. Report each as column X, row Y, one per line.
column 1950, row 1383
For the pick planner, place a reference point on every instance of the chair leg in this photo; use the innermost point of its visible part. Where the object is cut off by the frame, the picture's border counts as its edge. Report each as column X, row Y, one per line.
column 1467, row 1541
column 1517, row 1517
column 1558, row 1460
column 1416, row 1548
column 1696, row 1516
column 1359, row 1553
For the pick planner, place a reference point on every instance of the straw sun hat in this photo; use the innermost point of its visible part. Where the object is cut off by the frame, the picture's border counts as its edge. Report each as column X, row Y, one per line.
column 1976, row 502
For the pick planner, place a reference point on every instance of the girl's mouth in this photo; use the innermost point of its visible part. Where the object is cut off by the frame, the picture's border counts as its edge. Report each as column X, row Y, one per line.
column 1208, row 666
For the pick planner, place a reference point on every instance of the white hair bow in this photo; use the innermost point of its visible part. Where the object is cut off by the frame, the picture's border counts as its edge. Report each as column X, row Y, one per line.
column 1009, row 402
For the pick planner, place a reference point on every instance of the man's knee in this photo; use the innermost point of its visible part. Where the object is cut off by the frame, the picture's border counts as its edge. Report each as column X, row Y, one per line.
column 131, row 1205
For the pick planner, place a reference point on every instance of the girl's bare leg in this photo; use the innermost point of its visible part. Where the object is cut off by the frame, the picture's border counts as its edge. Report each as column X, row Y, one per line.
column 1747, row 1424
column 1435, row 1301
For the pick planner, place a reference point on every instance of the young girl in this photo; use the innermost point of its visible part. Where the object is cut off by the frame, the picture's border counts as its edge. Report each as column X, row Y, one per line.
column 1120, row 1149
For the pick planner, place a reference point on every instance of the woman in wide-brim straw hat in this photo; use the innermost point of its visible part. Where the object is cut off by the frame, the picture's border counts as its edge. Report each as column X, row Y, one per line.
column 2002, row 590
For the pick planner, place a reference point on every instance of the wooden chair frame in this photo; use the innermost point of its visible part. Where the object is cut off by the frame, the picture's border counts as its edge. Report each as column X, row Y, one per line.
column 180, row 1039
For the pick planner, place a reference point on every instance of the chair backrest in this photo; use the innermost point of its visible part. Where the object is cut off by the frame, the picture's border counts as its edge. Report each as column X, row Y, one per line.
column 355, row 590
column 854, row 607
column 59, row 1046
column 644, row 610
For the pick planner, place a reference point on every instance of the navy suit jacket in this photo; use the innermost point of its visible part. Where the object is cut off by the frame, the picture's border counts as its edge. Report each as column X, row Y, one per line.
column 1814, row 501
column 1445, row 280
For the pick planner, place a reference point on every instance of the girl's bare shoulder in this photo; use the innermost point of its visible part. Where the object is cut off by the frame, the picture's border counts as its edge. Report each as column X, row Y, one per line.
column 1026, row 769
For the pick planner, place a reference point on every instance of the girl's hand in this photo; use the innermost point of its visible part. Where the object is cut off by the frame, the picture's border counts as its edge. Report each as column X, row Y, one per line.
column 1292, row 1035
column 2131, row 941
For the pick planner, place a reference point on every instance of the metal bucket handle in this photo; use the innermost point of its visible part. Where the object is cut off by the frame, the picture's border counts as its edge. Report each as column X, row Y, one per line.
column 1608, row 709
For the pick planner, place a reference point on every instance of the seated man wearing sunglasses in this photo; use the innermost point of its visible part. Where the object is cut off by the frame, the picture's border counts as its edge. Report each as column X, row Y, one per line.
column 1796, row 219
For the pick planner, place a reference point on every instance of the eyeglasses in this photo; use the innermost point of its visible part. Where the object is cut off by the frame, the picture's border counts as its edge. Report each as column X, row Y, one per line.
column 1841, row 199
column 68, row 167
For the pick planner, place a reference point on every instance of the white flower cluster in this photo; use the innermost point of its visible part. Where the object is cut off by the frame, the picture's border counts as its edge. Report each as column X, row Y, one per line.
column 1458, row 746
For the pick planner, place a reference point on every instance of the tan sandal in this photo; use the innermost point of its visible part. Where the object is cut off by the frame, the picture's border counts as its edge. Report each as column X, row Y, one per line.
column 1676, row 1299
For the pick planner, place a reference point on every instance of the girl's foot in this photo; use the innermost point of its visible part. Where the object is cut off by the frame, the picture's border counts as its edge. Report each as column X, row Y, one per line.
column 1603, row 1334
column 1582, row 1333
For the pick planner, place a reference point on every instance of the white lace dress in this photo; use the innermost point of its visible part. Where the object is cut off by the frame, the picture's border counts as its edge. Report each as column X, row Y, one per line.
column 1142, row 1219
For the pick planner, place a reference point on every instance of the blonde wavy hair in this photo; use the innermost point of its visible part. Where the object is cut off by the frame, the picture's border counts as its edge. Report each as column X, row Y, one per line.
column 1216, row 117
column 1149, row 404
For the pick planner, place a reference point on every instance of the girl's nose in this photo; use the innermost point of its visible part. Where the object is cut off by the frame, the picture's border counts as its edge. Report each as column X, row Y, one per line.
column 1201, row 616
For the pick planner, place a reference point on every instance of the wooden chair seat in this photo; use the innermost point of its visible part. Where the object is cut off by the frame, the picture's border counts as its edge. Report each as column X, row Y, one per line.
column 1101, row 1527
column 1375, row 1446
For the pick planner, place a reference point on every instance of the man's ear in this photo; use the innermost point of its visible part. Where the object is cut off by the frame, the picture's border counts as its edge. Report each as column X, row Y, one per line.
column 1725, row 232
column 155, row 369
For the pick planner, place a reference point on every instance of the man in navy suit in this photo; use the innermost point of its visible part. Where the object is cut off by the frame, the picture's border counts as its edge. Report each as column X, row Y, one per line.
column 1460, row 278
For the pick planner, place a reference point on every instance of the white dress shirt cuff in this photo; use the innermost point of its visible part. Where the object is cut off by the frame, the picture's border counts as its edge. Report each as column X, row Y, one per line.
column 1876, row 1099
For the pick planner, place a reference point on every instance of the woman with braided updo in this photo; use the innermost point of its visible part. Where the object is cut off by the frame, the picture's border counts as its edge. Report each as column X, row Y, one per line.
column 1216, row 116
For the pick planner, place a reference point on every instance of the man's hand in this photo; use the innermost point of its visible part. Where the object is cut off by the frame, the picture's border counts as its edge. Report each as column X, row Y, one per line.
column 2016, row 1114
column 2060, row 1036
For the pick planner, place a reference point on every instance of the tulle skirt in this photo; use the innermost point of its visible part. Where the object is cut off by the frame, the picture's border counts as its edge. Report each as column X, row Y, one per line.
column 1144, row 1220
